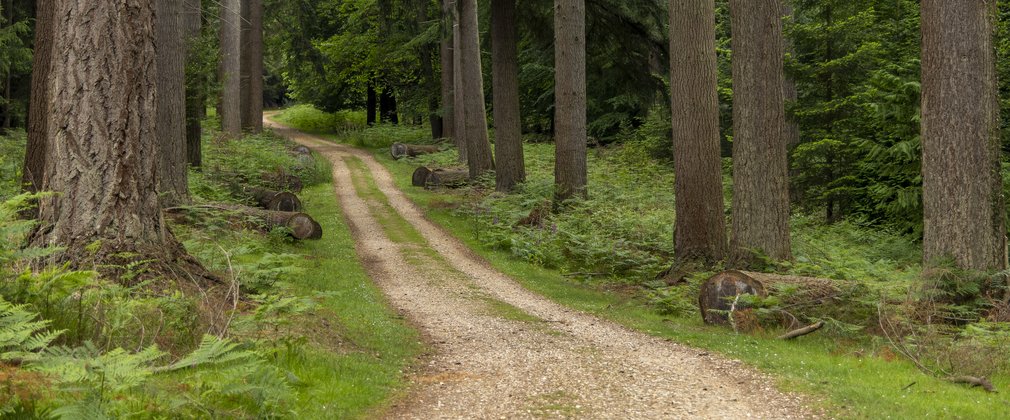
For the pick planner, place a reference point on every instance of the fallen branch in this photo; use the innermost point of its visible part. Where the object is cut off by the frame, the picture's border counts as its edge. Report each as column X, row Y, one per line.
column 972, row 382
column 802, row 331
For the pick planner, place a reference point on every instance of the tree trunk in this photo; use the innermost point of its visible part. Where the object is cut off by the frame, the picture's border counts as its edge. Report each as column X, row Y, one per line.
column 570, row 99
column 173, row 184
column 760, row 181
column 962, row 187
column 103, row 151
column 400, row 150
column 459, row 119
column 446, row 56
column 252, row 66
column 425, row 53
column 39, row 105
column 231, row 68
column 370, row 105
column 511, row 166
column 196, row 87
column 478, row 148
column 789, row 92
column 700, row 232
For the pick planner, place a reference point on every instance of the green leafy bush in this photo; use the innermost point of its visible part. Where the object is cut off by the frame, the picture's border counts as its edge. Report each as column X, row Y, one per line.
column 12, row 155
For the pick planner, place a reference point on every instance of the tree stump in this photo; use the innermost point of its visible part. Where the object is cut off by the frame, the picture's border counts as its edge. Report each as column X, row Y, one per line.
column 401, row 150
column 420, row 177
column 275, row 200
column 718, row 295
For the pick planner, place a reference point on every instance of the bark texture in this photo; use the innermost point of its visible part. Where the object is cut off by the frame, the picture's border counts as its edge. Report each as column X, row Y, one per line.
column 570, row 174
column 173, row 170
column 447, row 65
column 103, row 153
column 511, row 166
column 231, row 68
column 760, row 180
column 196, row 99
column 478, row 147
column 700, row 232
column 459, row 119
column 962, row 187
column 252, row 67
column 38, row 109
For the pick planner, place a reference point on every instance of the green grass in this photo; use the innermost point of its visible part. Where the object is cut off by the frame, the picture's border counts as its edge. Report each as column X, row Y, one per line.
column 852, row 377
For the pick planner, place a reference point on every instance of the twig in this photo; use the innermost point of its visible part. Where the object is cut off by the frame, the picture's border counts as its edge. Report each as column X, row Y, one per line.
column 909, row 385
column 732, row 310
column 802, row 331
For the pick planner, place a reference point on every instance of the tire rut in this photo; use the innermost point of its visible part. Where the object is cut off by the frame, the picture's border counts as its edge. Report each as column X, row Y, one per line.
column 501, row 351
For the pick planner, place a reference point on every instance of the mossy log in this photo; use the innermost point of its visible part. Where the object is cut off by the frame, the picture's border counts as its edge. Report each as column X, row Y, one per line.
column 420, row 177
column 443, row 178
column 401, row 150
column 719, row 294
column 300, row 225
column 275, row 200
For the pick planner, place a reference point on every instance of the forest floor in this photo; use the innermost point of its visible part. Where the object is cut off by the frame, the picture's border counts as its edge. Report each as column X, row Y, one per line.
column 499, row 350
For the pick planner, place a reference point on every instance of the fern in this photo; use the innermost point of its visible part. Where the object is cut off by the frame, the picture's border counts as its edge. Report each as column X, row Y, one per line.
column 212, row 351
column 22, row 334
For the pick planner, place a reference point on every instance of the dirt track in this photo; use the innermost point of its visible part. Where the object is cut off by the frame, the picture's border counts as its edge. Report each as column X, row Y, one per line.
column 500, row 351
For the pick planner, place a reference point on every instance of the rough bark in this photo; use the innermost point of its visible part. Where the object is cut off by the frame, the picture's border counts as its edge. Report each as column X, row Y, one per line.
column 275, row 200
column 760, row 180
column 103, row 152
column 962, row 188
column 459, row 119
column 700, row 232
column 789, row 92
column 570, row 173
column 38, row 109
column 420, row 176
column 478, row 148
column 196, row 99
column 446, row 57
column 401, row 150
column 252, row 67
column 231, row 68
column 511, row 166
column 173, row 170
column 446, row 178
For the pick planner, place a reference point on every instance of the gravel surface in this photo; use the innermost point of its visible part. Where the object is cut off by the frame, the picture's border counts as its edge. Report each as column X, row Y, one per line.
column 501, row 351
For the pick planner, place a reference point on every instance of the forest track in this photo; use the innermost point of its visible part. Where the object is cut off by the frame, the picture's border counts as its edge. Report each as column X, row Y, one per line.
column 501, row 351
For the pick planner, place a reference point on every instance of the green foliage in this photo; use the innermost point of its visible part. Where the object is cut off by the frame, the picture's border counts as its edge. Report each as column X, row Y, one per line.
column 12, row 155
column 22, row 334
column 313, row 120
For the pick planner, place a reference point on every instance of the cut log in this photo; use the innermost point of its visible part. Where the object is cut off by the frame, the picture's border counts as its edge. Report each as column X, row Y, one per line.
column 275, row 200
column 441, row 178
column 401, row 150
column 802, row 331
column 718, row 294
column 301, row 151
column 283, row 182
column 300, row 225
column 420, row 177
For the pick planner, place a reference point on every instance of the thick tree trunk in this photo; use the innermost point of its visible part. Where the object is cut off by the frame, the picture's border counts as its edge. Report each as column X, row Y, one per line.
column 570, row 174
column 478, row 148
column 252, row 66
column 459, row 104
column 511, row 166
column 760, row 181
column 962, row 187
column 173, row 170
column 700, row 232
column 371, row 103
column 39, row 105
column 196, row 96
column 446, row 56
column 103, row 151
column 231, row 68
column 789, row 92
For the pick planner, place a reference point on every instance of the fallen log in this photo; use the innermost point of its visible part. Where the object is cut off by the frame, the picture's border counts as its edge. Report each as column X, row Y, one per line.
column 401, row 150
column 275, row 200
column 802, row 331
column 719, row 295
column 973, row 382
column 441, row 178
column 300, row 150
column 299, row 225
column 420, row 177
